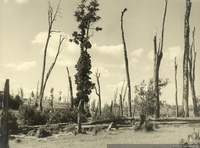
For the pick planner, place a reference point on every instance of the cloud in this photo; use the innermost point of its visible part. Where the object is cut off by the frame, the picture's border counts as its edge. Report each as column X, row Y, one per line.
column 5, row 1
column 173, row 52
column 138, row 52
column 22, row 1
column 151, row 55
column 21, row 66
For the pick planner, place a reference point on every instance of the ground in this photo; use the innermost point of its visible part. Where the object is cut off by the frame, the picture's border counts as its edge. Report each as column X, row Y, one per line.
column 165, row 134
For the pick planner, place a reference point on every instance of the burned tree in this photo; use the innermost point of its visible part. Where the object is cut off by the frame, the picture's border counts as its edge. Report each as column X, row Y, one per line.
column 192, row 61
column 158, row 54
column 51, row 19
column 126, row 64
column 186, row 58
column 98, row 93
column 176, row 86
column 70, row 88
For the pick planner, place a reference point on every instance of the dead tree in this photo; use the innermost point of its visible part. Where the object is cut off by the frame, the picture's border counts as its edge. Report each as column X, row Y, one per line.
column 4, row 142
column 126, row 64
column 192, row 61
column 158, row 54
column 98, row 93
column 122, row 98
column 185, row 58
column 176, row 86
column 51, row 18
column 70, row 88
column 36, row 97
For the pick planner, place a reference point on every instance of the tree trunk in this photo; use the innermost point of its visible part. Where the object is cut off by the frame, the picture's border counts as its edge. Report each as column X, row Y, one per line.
column 79, row 130
column 185, row 58
column 4, row 119
column 158, row 54
column 176, row 87
column 99, row 91
column 192, row 62
column 121, row 105
column 126, row 64
column 70, row 88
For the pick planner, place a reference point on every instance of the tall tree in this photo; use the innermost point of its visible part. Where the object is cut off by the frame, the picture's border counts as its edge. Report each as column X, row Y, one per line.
column 176, row 86
column 98, row 93
column 70, row 88
column 192, row 61
column 126, row 64
column 51, row 19
column 185, row 58
column 158, row 54
column 86, row 16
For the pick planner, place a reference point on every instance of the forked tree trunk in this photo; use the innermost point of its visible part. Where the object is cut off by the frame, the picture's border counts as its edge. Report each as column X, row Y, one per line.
column 70, row 88
column 4, row 142
column 185, row 58
column 176, row 87
column 158, row 54
column 192, row 61
column 126, row 64
column 98, row 93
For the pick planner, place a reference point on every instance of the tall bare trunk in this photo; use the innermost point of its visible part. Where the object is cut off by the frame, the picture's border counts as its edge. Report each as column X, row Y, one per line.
column 192, row 61
column 185, row 58
column 70, row 88
column 126, row 64
column 98, row 93
column 4, row 142
column 176, row 87
column 158, row 54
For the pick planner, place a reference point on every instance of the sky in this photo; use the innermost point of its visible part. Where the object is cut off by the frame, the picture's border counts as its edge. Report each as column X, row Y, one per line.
column 23, row 32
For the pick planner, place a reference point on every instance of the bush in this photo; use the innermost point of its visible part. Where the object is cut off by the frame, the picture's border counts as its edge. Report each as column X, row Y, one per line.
column 14, row 102
column 12, row 123
column 29, row 115
column 65, row 115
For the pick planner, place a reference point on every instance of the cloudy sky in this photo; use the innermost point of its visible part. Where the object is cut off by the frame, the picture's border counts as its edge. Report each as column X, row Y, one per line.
column 23, row 30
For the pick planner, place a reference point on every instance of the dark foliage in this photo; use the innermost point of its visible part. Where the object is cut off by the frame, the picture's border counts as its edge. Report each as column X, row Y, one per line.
column 12, row 123
column 14, row 102
column 29, row 115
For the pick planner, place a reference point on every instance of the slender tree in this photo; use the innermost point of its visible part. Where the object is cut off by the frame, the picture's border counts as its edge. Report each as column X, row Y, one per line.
column 158, row 54
column 86, row 16
column 98, row 92
column 192, row 61
column 70, row 88
column 126, row 64
column 176, row 86
column 185, row 58
column 51, row 19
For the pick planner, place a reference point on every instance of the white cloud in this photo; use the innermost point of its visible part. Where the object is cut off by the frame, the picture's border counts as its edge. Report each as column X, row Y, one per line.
column 22, row 1
column 5, row 1
column 138, row 52
column 173, row 52
column 151, row 55
column 21, row 66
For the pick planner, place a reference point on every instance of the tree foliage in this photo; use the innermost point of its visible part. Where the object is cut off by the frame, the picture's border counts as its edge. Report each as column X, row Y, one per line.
column 86, row 16
column 144, row 99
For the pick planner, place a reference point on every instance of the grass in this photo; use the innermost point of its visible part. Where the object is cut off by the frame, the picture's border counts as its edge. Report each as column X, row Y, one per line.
column 166, row 134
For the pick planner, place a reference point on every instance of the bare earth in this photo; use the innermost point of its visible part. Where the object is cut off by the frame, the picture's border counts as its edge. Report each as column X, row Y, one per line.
column 165, row 134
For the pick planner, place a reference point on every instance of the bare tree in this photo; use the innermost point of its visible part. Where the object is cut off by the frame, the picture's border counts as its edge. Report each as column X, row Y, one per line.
column 192, row 61
column 158, row 54
column 126, row 64
column 98, row 93
column 70, row 88
column 51, row 19
column 185, row 58
column 176, row 86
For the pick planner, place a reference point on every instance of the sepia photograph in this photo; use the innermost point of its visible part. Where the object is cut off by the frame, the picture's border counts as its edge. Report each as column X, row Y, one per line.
column 99, row 73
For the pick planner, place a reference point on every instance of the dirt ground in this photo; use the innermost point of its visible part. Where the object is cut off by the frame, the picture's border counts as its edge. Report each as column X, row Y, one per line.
column 165, row 134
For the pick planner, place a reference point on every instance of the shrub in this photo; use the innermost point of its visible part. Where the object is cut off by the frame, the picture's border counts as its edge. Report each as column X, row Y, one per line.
column 65, row 115
column 29, row 115
column 12, row 123
column 14, row 102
